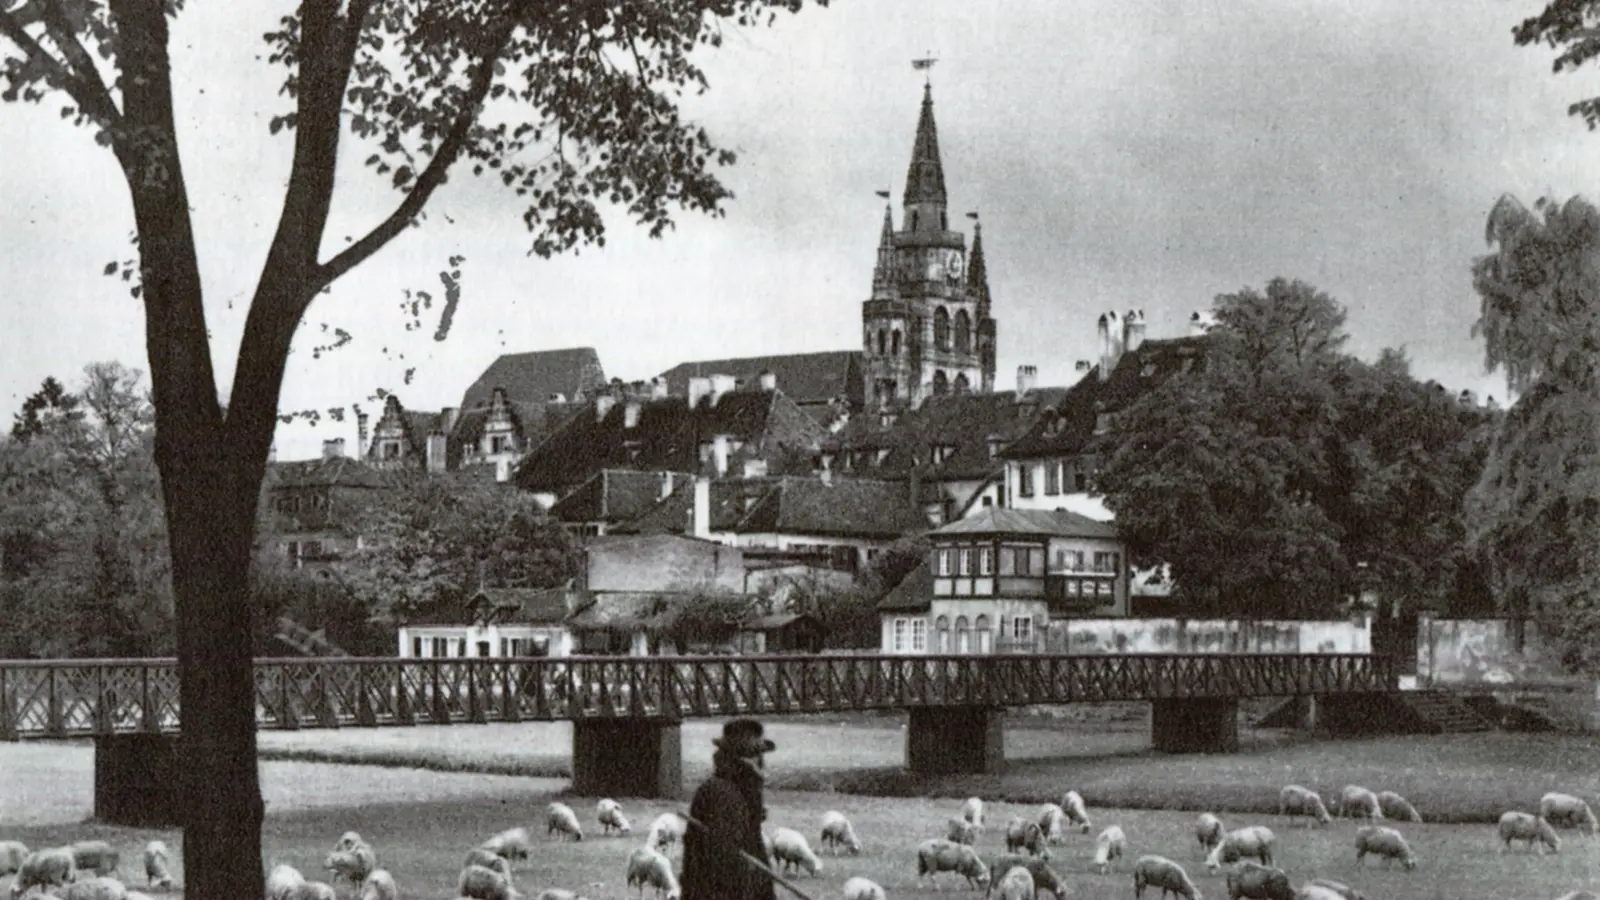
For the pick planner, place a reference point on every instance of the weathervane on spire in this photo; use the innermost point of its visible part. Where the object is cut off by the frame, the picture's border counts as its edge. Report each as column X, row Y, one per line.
column 923, row 65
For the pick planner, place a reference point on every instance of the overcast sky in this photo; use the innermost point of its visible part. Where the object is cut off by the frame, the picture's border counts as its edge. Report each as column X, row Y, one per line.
column 1123, row 154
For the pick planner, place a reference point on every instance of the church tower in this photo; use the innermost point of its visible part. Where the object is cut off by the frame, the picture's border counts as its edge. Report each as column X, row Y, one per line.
column 927, row 330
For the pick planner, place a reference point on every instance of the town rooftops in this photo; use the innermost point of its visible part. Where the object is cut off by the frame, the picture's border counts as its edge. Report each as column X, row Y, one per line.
column 808, row 378
column 848, row 507
column 617, row 495
column 1044, row 522
column 534, row 377
column 947, row 438
column 911, row 594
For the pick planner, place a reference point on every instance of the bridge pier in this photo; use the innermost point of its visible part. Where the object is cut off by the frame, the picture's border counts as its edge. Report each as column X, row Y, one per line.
column 136, row 780
column 627, row 758
column 956, row 740
column 1195, row 725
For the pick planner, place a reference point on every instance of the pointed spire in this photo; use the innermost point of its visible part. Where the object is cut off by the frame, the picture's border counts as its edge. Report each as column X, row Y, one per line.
column 978, row 273
column 883, row 272
column 925, row 177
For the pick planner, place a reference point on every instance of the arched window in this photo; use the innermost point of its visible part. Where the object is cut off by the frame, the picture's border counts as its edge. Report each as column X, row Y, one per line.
column 963, row 635
column 941, row 329
column 913, row 221
column 962, row 384
column 894, row 343
column 883, row 341
column 941, row 383
column 941, row 635
column 963, row 332
column 985, row 636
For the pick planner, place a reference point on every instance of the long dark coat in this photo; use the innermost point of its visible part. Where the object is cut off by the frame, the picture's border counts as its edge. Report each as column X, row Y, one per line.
column 730, row 807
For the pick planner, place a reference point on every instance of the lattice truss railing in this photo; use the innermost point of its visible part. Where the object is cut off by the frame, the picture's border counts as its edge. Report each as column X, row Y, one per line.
column 88, row 697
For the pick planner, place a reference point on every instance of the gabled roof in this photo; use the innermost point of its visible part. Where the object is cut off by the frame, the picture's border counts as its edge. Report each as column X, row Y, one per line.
column 529, row 606
column 849, row 507
column 533, row 377
column 808, row 378
column 1043, row 522
column 340, row 471
column 1068, row 426
column 617, row 495
column 914, row 593
column 963, row 422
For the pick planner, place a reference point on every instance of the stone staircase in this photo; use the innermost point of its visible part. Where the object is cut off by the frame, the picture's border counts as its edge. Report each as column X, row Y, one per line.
column 1441, row 712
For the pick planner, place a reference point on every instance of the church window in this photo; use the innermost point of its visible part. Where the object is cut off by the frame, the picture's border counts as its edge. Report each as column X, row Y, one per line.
column 944, row 221
column 497, row 444
column 913, row 220
column 883, row 341
column 941, row 383
column 941, row 329
column 962, row 384
column 894, row 343
column 963, row 332
column 391, row 450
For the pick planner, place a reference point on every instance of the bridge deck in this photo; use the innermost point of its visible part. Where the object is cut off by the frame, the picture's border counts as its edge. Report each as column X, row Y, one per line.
column 80, row 698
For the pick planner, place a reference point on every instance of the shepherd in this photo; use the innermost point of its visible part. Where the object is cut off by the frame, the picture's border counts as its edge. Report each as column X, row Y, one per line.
column 727, row 812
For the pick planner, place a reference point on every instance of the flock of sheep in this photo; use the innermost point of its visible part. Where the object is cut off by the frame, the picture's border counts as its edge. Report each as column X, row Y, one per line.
column 80, row 871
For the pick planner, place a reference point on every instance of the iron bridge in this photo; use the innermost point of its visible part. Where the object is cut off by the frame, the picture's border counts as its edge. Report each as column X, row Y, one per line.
column 83, row 698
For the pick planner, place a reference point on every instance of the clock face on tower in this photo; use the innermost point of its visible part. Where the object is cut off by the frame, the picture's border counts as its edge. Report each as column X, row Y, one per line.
column 952, row 264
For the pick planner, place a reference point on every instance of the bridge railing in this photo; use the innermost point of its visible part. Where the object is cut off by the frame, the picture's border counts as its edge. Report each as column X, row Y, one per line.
column 65, row 698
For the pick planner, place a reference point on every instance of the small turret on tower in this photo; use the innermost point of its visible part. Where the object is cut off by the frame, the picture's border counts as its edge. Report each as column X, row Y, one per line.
column 883, row 271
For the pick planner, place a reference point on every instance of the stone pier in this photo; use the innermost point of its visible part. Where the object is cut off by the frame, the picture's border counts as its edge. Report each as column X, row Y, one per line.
column 1195, row 725
column 956, row 740
column 627, row 758
column 136, row 780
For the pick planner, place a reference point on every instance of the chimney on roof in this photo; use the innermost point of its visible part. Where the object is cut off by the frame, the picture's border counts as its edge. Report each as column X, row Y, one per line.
column 698, row 387
column 333, row 448
column 502, row 470
column 436, row 452
column 1201, row 321
column 769, row 381
column 701, row 524
column 1133, row 330
column 658, row 388
column 720, row 384
column 602, row 406
column 1027, row 376
column 719, row 455
column 448, row 416
column 1110, row 329
column 630, row 413
column 361, row 434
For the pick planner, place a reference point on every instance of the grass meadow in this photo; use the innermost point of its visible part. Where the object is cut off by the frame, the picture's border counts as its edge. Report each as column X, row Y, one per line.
column 423, row 807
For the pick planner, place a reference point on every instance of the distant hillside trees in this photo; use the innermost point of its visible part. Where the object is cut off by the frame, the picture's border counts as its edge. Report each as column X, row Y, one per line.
column 1284, row 476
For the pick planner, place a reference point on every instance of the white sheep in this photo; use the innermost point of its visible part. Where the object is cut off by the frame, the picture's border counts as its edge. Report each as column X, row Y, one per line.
column 649, row 867
column 558, row 894
column 609, row 814
column 95, row 856
column 665, row 831
column 1295, row 800
column 561, row 821
column 483, row 883
column 379, row 885
column 313, row 890
column 1077, row 813
column 1253, row 841
column 838, row 832
column 1044, row 877
column 45, row 868
column 1017, row 884
column 935, row 856
column 1158, row 871
column 1109, row 846
column 156, row 872
column 282, row 881
column 1385, row 843
column 483, row 856
column 513, row 843
column 1339, row 888
column 1257, row 882
column 1313, row 891
column 1394, row 806
column 1566, row 811
column 859, row 888
column 99, row 887
column 1533, row 830
column 1356, row 802
column 1025, row 835
column 135, row 895
column 1208, row 831
column 349, row 840
column 12, row 853
column 353, row 864
column 972, row 811
column 1053, row 822
column 960, row 831
column 789, row 848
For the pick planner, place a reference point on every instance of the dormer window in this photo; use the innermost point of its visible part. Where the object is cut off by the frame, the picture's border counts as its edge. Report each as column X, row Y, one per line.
column 1102, row 423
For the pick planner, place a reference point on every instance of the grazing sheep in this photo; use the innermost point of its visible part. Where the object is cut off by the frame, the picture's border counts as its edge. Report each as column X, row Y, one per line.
column 45, row 868
column 1044, row 877
column 483, row 883
column 1356, row 802
column 1053, row 822
column 609, row 813
column 1109, row 846
column 665, row 831
column 282, row 881
column 1252, row 841
column 1158, row 871
column 483, row 856
column 95, row 856
column 1208, row 831
column 859, row 888
column 313, row 890
column 135, row 895
column 1394, row 806
column 1016, row 885
column 12, row 853
column 837, row 832
column 647, row 866
column 1295, row 800
column 1337, row 887
column 1385, row 843
column 961, row 831
column 1077, row 813
column 379, row 885
column 352, row 865
column 789, row 848
column 1259, row 883
column 156, row 872
column 1526, row 827
column 562, row 822
column 513, row 843
column 935, row 856
column 1314, row 891
column 1566, row 811
column 349, row 840
column 1026, row 835
column 972, row 811
column 96, row 888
